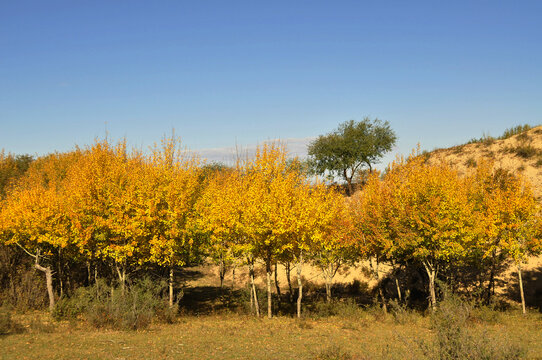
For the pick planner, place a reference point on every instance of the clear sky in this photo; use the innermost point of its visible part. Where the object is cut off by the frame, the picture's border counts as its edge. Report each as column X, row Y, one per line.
column 241, row 72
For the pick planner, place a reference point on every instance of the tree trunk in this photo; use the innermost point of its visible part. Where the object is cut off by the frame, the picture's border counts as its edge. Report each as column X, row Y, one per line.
column 277, row 285
column 171, row 286
column 89, row 273
column 376, row 274
column 233, row 278
column 299, row 285
column 222, row 271
column 289, row 279
column 69, row 282
column 96, row 280
column 49, row 281
column 254, row 293
column 121, row 271
column 396, row 277
column 431, row 273
column 59, row 272
column 521, row 289
column 269, row 295
column 328, row 291
column 491, row 281
column 399, row 295
column 251, row 298
column 350, row 189
column 329, row 274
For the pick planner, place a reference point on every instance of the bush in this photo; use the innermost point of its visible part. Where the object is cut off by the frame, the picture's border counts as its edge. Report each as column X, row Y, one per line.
column 79, row 302
column 333, row 352
column 30, row 292
column 111, row 307
column 471, row 162
column 485, row 314
column 514, row 131
column 401, row 314
column 346, row 309
column 525, row 151
column 454, row 340
column 6, row 323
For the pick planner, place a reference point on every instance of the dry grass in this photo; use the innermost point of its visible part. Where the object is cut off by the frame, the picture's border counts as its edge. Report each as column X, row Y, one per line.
column 244, row 337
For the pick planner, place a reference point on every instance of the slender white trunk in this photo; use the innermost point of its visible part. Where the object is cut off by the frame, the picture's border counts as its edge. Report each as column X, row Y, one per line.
column 269, row 295
column 49, row 281
column 299, row 285
column 431, row 273
column 121, row 271
column 399, row 295
column 521, row 289
column 253, row 287
column 171, row 286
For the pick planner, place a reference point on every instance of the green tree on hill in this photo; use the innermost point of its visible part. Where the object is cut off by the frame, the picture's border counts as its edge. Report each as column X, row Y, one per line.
column 352, row 146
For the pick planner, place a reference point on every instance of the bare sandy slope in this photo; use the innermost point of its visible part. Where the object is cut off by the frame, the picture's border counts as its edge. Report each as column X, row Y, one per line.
column 511, row 154
column 207, row 275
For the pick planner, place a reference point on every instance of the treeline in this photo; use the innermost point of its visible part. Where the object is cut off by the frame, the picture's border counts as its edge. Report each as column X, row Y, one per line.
column 104, row 210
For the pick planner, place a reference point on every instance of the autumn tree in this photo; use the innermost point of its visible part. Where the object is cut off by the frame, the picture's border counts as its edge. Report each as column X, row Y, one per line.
column 222, row 214
column 104, row 193
column 12, row 167
column 168, row 191
column 420, row 212
column 351, row 147
column 508, row 219
column 330, row 234
column 271, row 184
column 35, row 217
column 377, row 231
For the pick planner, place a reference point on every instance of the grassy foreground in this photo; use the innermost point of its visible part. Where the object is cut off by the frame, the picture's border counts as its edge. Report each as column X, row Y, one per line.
column 234, row 336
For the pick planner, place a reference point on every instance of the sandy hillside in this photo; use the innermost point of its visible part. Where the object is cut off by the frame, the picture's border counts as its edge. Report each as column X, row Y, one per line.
column 520, row 153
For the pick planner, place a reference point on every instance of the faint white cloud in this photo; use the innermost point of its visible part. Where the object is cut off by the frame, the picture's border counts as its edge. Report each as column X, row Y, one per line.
column 64, row 84
column 228, row 155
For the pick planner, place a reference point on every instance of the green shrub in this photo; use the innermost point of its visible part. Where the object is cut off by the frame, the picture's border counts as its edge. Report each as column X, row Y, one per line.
column 77, row 304
column 454, row 340
column 346, row 309
column 111, row 307
column 471, row 162
column 525, row 151
column 515, row 131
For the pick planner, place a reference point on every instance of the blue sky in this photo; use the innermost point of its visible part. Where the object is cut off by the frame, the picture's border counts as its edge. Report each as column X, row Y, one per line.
column 241, row 72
